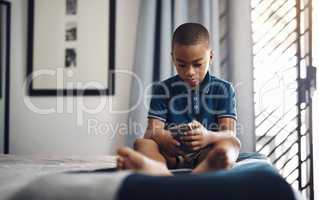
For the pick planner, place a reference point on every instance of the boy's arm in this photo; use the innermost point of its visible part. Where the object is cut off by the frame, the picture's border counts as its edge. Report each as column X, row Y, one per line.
column 227, row 129
column 200, row 137
column 156, row 131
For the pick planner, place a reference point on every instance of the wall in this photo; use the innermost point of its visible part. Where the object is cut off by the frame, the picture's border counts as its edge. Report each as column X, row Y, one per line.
column 58, row 133
column 241, row 69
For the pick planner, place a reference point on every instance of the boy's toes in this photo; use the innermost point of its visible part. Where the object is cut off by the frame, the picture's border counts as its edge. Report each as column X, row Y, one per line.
column 120, row 162
column 123, row 151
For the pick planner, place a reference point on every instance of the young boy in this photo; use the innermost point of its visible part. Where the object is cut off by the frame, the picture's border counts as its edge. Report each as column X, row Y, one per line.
column 193, row 97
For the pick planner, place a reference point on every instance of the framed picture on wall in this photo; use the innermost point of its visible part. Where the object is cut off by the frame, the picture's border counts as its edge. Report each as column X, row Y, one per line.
column 71, row 47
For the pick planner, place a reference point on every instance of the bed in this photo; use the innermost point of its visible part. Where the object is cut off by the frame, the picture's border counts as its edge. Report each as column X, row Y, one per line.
column 44, row 177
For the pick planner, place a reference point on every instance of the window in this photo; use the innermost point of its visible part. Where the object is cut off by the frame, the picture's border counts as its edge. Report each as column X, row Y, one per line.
column 282, row 57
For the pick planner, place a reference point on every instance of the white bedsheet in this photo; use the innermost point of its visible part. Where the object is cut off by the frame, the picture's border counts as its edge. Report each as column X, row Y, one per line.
column 33, row 175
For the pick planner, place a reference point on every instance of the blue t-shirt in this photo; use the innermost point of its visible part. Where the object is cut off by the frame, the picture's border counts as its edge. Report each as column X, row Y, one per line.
column 174, row 102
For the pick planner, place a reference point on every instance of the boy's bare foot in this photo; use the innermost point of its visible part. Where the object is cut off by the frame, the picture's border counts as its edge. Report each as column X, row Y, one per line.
column 217, row 159
column 130, row 159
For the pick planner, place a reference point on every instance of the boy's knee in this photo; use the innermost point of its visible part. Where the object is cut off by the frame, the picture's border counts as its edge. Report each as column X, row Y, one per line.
column 233, row 141
column 142, row 143
column 236, row 142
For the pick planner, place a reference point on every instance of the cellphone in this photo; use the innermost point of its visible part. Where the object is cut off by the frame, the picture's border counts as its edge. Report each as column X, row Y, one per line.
column 179, row 130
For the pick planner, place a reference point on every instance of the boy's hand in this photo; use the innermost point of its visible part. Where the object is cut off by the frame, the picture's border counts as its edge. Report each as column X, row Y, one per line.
column 196, row 138
column 169, row 145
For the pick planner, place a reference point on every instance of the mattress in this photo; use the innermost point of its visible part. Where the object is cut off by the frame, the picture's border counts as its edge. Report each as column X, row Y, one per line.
column 25, row 177
column 35, row 177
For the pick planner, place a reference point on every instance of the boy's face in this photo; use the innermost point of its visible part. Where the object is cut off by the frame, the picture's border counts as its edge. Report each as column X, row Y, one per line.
column 192, row 62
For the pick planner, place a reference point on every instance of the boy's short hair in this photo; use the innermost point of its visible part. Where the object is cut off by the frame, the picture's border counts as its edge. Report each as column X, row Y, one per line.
column 190, row 34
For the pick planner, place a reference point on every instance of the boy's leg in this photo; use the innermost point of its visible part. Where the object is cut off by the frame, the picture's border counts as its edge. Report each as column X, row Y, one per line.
column 222, row 155
column 150, row 149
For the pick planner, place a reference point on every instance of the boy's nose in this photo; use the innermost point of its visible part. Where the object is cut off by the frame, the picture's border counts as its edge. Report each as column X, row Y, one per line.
column 191, row 72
